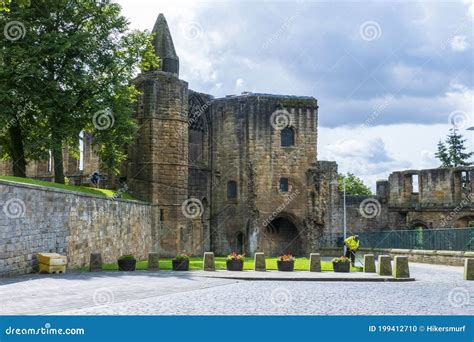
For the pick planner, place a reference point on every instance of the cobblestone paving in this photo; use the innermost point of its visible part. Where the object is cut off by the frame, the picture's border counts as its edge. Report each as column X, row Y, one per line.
column 438, row 290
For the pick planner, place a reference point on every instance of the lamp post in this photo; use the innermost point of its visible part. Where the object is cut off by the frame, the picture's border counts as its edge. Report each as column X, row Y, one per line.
column 344, row 207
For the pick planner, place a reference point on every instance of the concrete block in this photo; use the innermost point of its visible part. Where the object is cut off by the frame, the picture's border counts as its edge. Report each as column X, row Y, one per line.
column 369, row 263
column 95, row 264
column 384, row 267
column 52, row 259
column 43, row 268
column 260, row 264
column 208, row 264
column 153, row 262
column 314, row 262
column 400, row 267
column 469, row 269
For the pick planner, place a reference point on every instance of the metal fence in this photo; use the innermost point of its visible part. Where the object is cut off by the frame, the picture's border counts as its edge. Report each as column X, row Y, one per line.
column 455, row 239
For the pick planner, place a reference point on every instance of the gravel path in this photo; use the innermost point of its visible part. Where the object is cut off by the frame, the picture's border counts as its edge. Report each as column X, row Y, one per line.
column 438, row 290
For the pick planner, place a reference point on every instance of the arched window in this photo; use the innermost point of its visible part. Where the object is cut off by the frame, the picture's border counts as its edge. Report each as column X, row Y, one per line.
column 287, row 137
column 232, row 189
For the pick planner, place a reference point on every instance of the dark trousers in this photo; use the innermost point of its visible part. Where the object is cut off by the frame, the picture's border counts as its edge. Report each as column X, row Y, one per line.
column 350, row 254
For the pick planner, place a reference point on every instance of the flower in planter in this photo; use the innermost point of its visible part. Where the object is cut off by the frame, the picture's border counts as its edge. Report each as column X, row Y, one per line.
column 127, row 257
column 286, row 257
column 182, row 257
column 235, row 257
column 342, row 259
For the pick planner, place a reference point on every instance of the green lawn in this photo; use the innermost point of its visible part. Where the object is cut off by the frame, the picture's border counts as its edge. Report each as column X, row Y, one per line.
column 301, row 264
column 82, row 189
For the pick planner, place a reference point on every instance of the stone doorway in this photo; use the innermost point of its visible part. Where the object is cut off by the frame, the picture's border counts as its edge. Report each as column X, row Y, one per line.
column 281, row 237
column 240, row 243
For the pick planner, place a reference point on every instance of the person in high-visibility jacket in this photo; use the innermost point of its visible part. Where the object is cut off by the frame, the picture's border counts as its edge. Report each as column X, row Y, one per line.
column 352, row 244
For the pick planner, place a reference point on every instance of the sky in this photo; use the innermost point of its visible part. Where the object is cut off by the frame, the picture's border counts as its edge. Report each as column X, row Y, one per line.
column 391, row 77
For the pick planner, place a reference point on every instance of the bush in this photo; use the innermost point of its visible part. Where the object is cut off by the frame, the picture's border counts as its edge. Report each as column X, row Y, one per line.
column 182, row 257
column 236, row 257
column 286, row 257
column 341, row 259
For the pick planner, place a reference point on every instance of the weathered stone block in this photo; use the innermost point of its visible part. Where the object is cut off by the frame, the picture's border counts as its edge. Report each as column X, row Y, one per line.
column 260, row 264
column 153, row 262
column 469, row 269
column 314, row 262
column 384, row 267
column 369, row 263
column 95, row 264
column 400, row 267
column 208, row 264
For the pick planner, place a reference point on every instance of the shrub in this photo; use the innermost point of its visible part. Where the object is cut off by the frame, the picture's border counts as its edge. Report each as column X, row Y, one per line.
column 182, row 257
column 341, row 259
column 234, row 256
column 286, row 257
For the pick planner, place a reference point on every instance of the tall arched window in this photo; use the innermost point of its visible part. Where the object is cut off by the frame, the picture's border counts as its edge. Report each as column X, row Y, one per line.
column 287, row 137
column 232, row 189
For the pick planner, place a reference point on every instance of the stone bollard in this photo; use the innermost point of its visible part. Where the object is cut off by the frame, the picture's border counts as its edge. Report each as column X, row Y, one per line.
column 400, row 267
column 314, row 262
column 260, row 264
column 369, row 263
column 469, row 269
column 384, row 267
column 95, row 263
column 208, row 264
column 153, row 262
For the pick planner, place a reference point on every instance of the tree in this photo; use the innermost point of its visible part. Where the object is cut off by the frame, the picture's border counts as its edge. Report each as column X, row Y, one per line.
column 354, row 185
column 443, row 155
column 452, row 152
column 75, row 65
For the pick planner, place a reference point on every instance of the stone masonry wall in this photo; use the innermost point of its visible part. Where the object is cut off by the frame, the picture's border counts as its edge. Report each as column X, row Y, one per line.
column 36, row 219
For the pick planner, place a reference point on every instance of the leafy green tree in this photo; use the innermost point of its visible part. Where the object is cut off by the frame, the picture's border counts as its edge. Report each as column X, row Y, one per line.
column 452, row 152
column 74, row 64
column 354, row 185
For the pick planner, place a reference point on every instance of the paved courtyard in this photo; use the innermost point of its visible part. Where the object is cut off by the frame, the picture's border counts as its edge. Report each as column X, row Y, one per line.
column 437, row 290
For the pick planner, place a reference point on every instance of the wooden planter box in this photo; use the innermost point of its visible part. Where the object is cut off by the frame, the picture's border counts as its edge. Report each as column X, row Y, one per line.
column 235, row 265
column 126, row 265
column 286, row 266
column 180, row 265
column 341, row 266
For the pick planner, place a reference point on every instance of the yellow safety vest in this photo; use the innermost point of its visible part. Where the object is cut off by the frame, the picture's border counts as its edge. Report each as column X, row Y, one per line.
column 351, row 243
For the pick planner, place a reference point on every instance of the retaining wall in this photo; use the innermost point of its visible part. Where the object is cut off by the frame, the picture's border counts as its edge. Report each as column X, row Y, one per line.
column 37, row 219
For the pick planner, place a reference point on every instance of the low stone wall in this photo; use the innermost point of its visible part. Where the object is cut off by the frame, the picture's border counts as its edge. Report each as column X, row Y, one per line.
column 453, row 258
column 39, row 219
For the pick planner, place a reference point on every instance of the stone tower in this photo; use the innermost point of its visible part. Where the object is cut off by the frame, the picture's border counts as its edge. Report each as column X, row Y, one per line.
column 158, row 165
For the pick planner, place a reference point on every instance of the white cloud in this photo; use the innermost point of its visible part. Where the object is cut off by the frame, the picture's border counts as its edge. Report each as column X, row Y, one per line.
column 459, row 43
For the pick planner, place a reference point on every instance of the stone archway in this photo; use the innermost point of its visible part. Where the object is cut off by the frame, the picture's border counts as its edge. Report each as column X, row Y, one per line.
column 281, row 236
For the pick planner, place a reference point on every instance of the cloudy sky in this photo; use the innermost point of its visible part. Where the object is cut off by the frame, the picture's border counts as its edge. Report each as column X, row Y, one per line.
column 389, row 76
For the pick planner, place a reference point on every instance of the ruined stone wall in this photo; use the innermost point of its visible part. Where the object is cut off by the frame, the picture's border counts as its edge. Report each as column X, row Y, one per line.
column 40, row 169
column 247, row 150
column 36, row 219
